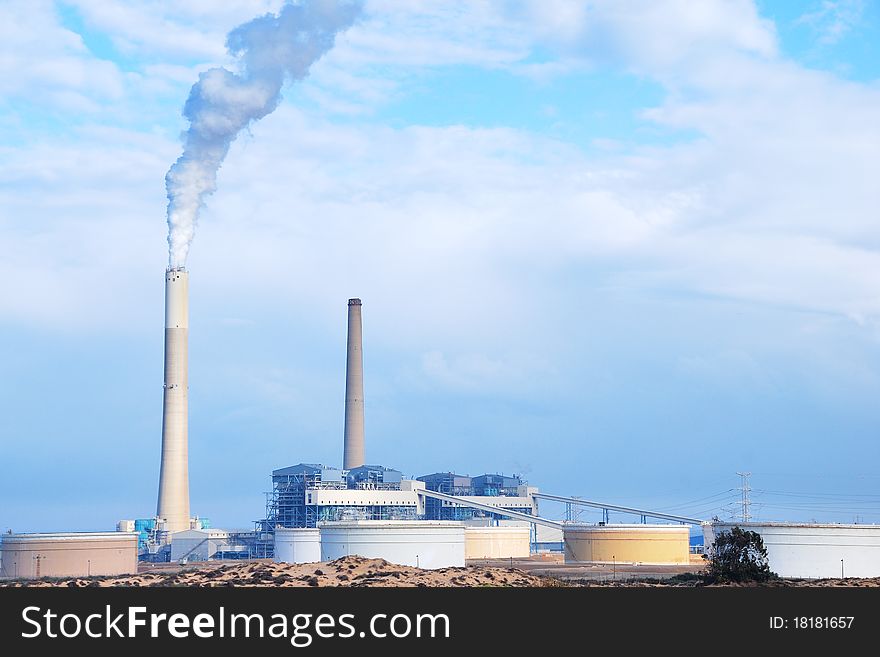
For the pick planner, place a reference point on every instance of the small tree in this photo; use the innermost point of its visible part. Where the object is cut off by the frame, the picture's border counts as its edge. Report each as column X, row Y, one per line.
column 738, row 556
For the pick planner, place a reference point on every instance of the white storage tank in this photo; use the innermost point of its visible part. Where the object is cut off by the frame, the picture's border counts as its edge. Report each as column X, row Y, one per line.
column 811, row 550
column 125, row 526
column 297, row 545
column 420, row 543
column 497, row 542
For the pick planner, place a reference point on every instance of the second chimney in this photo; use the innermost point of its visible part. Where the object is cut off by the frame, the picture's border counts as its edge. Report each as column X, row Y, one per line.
column 354, row 390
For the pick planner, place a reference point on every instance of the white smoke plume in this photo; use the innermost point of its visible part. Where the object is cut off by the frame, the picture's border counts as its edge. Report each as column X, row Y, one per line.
column 270, row 49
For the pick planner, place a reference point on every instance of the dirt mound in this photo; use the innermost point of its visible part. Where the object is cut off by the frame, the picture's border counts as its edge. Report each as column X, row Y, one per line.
column 347, row 571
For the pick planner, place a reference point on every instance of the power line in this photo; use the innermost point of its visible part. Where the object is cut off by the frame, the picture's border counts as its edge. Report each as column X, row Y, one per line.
column 854, row 496
column 696, row 501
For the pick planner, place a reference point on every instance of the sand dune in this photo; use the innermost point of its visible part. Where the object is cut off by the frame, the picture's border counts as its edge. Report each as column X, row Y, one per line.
column 347, row 571
column 358, row 571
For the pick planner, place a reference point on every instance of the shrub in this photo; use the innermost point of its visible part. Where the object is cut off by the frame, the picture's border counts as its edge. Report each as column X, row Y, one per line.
column 738, row 556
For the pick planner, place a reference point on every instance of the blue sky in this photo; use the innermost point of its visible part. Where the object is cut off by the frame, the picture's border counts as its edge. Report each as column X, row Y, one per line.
column 624, row 249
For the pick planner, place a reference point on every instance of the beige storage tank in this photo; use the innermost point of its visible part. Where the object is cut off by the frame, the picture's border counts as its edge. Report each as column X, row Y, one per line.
column 496, row 542
column 652, row 544
column 68, row 554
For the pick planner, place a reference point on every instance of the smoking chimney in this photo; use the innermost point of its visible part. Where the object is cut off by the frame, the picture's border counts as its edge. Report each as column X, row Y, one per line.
column 173, row 505
column 354, row 390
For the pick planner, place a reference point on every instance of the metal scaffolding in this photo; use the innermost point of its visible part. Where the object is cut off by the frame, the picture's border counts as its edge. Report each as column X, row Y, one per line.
column 286, row 506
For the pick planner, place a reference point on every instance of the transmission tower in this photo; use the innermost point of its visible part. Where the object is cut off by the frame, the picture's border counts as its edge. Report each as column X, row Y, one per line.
column 745, row 489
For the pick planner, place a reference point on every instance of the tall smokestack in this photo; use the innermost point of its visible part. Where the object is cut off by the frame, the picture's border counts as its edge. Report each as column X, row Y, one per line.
column 354, row 390
column 173, row 505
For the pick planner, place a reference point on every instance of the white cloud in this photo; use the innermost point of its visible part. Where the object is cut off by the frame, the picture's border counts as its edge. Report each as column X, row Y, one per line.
column 833, row 19
column 164, row 29
column 514, row 373
column 447, row 229
column 741, row 248
column 659, row 38
column 42, row 61
column 77, row 214
column 741, row 368
column 396, row 42
column 434, row 33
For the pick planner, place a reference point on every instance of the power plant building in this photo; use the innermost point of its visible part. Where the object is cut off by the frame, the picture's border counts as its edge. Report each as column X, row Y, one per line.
column 305, row 494
column 308, row 494
column 206, row 544
column 510, row 493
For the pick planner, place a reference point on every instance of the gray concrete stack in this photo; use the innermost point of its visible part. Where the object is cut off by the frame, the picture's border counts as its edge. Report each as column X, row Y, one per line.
column 173, row 506
column 354, row 390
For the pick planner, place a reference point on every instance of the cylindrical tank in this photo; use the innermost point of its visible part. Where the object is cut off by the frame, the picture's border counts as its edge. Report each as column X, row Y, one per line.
column 497, row 542
column 812, row 550
column 68, row 554
column 125, row 526
column 652, row 544
column 420, row 543
column 297, row 545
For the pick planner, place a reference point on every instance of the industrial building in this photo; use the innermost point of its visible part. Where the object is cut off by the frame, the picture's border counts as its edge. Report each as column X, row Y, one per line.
column 207, row 544
column 812, row 550
column 79, row 554
column 510, row 493
column 307, row 494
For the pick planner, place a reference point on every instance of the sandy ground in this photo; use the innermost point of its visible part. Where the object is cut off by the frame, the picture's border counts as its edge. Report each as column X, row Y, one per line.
column 537, row 571
column 639, row 575
column 552, row 565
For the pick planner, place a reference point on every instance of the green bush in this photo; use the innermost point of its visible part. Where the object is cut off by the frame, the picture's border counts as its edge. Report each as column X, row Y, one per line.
column 738, row 556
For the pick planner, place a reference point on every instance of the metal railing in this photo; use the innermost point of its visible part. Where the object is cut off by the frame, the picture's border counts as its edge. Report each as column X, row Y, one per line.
column 615, row 507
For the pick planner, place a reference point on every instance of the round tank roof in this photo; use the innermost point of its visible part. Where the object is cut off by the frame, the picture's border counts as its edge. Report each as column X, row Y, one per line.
column 805, row 525
column 628, row 528
column 390, row 524
column 69, row 536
